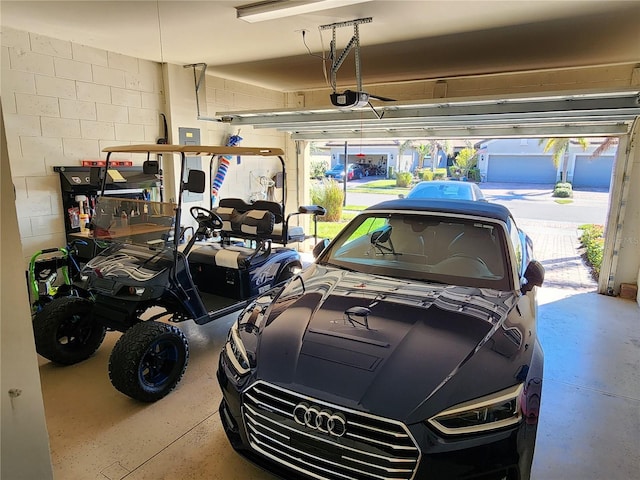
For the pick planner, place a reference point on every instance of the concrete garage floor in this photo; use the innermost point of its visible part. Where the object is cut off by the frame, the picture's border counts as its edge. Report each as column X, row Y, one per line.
column 590, row 416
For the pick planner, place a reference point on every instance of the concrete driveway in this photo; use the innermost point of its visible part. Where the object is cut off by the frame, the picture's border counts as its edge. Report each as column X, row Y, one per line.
column 553, row 227
column 534, row 201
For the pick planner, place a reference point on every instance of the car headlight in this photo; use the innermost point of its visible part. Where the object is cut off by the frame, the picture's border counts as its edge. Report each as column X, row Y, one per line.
column 249, row 322
column 236, row 352
column 494, row 411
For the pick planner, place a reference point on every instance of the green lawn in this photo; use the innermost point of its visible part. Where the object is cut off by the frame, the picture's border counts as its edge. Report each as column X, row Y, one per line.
column 329, row 229
column 390, row 183
column 381, row 186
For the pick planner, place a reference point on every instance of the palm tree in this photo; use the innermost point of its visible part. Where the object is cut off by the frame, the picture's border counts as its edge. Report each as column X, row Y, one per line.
column 431, row 147
column 423, row 150
column 608, row 142
column 560, row 151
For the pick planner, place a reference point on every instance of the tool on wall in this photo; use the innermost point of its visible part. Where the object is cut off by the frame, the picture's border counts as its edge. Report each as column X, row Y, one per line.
column 350, row 98
column 165, row 139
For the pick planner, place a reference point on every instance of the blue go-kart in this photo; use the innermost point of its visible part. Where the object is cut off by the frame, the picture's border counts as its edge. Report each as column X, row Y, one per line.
column 151, row 275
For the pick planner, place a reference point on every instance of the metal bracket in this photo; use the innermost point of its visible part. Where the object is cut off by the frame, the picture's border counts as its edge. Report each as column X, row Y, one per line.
column 198, row 81
column 354, row 43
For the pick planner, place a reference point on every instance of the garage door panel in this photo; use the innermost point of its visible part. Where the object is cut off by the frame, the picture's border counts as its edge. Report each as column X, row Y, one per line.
column 521, row 169
column 592, row 172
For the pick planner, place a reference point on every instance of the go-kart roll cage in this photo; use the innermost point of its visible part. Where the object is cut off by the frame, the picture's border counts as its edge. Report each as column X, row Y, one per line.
column 195, row 185
column 235, row 153
column 184, row 151
column 280, row 213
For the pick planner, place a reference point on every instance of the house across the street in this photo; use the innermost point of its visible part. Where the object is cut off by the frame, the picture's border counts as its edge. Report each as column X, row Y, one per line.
column 524, row 161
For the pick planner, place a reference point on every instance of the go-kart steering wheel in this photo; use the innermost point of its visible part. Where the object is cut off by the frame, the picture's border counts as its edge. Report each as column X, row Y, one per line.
column 206, row 218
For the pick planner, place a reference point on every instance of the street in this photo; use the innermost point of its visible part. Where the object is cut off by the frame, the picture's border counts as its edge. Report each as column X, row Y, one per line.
column 526, row 202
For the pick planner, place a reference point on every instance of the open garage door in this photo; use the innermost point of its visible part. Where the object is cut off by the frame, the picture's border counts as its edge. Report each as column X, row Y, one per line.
column 599, row 114
column 567, row 115
column 592, row 172
column 527, row 169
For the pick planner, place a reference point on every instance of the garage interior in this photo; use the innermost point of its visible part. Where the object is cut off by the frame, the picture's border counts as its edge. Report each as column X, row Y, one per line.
column 80, row 76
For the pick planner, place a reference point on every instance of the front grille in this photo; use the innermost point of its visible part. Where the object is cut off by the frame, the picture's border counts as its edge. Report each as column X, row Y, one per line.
column 368, row 448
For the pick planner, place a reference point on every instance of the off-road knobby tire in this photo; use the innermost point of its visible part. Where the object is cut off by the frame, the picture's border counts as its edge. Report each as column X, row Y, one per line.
column 65, row 331
column 148, row 360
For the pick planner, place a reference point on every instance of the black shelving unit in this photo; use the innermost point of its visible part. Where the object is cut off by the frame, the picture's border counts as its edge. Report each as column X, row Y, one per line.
column 122, row 182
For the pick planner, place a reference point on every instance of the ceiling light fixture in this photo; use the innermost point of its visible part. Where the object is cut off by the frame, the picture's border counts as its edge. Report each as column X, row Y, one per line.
column 274, row 9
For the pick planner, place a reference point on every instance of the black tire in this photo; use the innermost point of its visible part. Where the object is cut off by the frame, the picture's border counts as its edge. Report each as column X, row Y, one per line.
column 65, row 331
column 148, row 360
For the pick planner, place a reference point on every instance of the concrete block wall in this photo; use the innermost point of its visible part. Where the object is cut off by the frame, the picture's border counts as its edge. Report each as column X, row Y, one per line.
column 224, row 95
column 215, row 96
column 63, row 103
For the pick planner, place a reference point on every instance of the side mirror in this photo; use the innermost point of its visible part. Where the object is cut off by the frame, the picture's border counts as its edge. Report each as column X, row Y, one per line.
column 151, row 167
column 320, row 246
column 401, row 195
column 195, row 181
column 534, row 276
column 382, row 235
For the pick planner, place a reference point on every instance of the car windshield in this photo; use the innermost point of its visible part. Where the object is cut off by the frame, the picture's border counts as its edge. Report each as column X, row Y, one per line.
column 428, row 247
column 139, row 222
column 450, row 190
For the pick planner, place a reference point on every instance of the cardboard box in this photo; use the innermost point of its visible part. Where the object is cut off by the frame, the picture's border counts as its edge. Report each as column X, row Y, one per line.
column 628, row 291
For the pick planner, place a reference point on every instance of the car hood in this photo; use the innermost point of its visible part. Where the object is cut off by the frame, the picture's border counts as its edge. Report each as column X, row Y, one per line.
column 374, row 343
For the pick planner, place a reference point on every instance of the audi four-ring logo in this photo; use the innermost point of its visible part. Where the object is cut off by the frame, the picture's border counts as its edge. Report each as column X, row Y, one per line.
column 319, row 419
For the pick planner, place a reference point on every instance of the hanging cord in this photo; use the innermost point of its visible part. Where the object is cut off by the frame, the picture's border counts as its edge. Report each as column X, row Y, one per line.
column 159, row 31
column 324, row 59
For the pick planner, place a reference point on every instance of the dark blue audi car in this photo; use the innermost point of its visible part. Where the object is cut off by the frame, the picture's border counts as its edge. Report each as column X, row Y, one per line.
column 408, row 350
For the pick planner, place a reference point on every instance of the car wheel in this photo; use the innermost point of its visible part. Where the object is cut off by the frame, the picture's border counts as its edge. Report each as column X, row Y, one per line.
column 65, row 331
column 148, row 361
